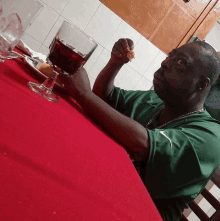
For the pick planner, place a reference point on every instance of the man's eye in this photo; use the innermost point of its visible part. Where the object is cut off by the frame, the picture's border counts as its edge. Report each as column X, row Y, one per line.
column 180, row 62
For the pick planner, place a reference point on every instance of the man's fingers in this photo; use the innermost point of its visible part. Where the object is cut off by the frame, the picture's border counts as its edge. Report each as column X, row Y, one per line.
column 117, row 53
column 130, row 43
column 124, row 45
column 119, row 47
column 122, row 48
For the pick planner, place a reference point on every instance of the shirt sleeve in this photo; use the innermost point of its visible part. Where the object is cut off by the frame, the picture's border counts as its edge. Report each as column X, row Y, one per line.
column 180, row 161
column 121, row 99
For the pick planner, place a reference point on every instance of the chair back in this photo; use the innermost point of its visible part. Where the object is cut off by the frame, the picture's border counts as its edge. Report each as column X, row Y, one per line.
column 209, row 197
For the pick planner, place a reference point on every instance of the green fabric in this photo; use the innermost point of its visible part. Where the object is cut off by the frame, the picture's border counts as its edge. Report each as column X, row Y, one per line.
column 183, row 155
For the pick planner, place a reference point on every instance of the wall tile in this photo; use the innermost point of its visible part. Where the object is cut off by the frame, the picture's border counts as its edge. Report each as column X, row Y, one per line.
column 56, row 5
column 213, row 38
column 100, row 64
column 124, row 31
column 127, row 78
column 155, row 65
column 93, row 58
column 42, row 24
column 92, row 81
column 143, row 85
column 103, row 25
column 31, row 42
column 145, row 53
column 53, row 31
column 80, row 12
column 43, row 50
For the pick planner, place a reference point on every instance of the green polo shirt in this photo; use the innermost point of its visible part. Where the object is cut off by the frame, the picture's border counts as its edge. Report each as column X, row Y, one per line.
column 183, row 155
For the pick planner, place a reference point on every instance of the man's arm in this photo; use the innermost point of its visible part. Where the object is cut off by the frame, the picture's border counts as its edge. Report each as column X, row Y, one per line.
column 105, row 81
column 132, row 135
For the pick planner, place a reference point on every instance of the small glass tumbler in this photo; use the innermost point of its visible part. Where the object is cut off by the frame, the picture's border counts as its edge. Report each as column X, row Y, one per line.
column 15, row 17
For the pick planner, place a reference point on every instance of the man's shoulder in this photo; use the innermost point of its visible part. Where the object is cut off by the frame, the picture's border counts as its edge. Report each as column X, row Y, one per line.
column 204, row 120
column 134, row 96
column 149, row 97
column 204, row 132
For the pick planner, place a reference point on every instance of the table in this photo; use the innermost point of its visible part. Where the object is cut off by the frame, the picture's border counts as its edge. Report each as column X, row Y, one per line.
column 56, row 164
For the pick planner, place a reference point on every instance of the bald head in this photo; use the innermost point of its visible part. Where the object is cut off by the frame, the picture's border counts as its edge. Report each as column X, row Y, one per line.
column 187, row 74
column 208, row 61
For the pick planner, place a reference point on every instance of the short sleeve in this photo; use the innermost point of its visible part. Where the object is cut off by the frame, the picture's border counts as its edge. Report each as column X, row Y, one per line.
column 121, row 99
column 180, row 161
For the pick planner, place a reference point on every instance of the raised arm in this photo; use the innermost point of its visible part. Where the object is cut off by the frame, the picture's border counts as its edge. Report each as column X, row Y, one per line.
column 105, row 81
column 132, row 135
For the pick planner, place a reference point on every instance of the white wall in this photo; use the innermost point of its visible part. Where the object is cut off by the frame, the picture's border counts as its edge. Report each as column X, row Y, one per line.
column 213, row 38
column 105, row 28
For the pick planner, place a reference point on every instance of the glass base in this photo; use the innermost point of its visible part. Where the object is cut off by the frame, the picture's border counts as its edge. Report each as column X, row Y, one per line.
column 43, row 91
column 8, row 55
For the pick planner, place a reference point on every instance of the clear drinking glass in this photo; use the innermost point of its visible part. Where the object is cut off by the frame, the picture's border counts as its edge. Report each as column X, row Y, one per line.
column 15, row 17
column 69, row 51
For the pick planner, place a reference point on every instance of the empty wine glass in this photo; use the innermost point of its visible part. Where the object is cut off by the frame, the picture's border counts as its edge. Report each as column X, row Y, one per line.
column 15, row 17
column 69, row 51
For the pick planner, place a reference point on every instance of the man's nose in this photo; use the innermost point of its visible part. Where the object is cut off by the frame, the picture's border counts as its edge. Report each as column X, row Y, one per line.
column 165, row 65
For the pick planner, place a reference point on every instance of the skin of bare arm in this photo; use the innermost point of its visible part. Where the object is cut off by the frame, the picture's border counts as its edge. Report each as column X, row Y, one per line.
column 129, row 133
column 105, row 81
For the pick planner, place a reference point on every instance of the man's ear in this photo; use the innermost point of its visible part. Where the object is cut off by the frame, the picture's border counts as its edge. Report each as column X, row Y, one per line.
column 203, row 83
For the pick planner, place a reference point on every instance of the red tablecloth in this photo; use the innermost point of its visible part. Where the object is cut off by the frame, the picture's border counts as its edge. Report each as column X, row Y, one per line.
column 55, row 164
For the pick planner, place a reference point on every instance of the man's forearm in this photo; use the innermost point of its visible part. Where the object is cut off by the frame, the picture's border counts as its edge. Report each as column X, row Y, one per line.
column 105, row 81
column 132, row 135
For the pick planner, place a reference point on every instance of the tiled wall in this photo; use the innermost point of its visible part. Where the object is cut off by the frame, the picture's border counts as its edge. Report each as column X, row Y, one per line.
column 105, row 27
column 213, row 37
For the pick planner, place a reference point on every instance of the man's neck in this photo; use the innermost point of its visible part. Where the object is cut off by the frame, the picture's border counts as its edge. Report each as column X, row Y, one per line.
column 172, row 112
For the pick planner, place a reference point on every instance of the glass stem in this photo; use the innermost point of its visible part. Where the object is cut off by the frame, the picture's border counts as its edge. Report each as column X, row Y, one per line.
column 48, row 84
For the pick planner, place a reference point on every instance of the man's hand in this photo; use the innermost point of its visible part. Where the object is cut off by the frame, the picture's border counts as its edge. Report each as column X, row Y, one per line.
column 77, row 84
column 129, row 133
column 120, row 50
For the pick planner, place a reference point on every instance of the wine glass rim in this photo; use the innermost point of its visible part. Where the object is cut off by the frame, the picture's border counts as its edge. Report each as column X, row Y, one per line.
column 80, row 31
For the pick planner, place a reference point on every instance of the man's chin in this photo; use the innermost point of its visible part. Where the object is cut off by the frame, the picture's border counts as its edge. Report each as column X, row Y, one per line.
column 160, row 93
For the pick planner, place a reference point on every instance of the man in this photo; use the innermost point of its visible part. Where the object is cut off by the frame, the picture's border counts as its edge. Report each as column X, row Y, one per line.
column 173, row 140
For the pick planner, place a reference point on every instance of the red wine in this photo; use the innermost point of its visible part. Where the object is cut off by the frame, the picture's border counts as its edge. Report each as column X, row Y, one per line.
column 65, row 58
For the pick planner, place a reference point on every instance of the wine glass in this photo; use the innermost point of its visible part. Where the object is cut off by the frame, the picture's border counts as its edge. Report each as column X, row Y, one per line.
column 69, row 51
column 15, row 17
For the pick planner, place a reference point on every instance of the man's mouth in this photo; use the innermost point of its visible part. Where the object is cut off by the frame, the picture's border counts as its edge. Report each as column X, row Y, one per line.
column 157, row 76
